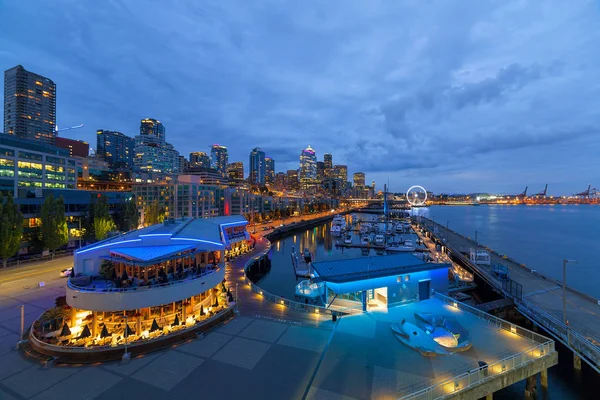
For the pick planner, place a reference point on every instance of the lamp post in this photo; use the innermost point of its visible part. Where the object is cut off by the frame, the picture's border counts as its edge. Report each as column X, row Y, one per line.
column 476, row 241
column 565, row 292
column 126, row 356
column 237, row 300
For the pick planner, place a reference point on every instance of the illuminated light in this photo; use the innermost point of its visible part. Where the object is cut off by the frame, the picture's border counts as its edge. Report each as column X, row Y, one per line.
column 281, row 301
column 455, row 304
column 107, row 244
column 513, row 329
column 316, row 310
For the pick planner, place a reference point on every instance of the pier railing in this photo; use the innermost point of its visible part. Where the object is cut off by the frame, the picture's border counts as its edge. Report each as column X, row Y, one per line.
column 477, row 376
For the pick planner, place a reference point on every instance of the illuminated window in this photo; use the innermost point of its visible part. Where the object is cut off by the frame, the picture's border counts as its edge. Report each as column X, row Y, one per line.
column 7, row 167
column 406, row 278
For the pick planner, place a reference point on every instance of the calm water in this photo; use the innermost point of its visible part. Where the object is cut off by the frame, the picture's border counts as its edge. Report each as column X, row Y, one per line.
column 537, row 236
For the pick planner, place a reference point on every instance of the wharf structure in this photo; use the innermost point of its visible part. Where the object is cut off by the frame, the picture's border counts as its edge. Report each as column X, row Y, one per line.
column 143, row 287
column 568, row 315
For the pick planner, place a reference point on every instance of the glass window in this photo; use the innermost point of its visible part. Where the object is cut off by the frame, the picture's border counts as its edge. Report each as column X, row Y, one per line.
column 55, row 160
column 30, row 170
column 7, row 167
column 30, row 156
column 406, row 278
column 6, row 152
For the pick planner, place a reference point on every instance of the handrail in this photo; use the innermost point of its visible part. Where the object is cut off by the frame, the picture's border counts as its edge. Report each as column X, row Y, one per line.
column 483, row 373
column 135, row 288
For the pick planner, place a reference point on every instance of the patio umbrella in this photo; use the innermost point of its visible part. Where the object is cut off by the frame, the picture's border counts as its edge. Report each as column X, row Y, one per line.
column 128, row 331
column 124, row 277
column 154, row 326
column 85, row 333
column 176, row 322
column 65, row 330
column 104, row 333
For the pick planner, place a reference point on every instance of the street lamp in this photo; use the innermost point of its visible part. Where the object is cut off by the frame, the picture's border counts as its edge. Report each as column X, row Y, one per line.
column 565, row 291
column 476, row 241
column 126, row 357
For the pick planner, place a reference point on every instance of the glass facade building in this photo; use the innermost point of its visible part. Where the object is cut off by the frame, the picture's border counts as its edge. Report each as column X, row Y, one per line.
column 308, row 168
column 257, row 167
column 199, row 159
column 235, row 171
column 219, row 158
column 27, row 167
column 29, row 105
column 115, row 148
column 269, row 170
column 152, row 154
column 152, row 127
column 359, row 179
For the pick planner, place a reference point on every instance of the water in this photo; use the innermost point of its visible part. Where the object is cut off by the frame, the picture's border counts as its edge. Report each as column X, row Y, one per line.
column 281, row 280
column 538, row 236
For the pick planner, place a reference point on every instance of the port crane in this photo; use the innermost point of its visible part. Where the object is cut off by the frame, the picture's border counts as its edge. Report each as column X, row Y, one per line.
column 585, row 193
column 543, row 192
column 56, row 130
column 524, row 194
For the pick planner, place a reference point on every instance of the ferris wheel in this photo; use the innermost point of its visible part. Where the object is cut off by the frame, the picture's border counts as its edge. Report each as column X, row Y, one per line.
column 416, row 196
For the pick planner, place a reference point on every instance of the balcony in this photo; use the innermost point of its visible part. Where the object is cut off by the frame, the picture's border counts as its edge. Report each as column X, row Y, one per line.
column 101, row 295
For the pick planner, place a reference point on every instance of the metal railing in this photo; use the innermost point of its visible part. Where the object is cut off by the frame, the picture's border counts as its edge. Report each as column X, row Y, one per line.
column 477, row 376
column 87, row 287
column 291, row 304
column 39, row 258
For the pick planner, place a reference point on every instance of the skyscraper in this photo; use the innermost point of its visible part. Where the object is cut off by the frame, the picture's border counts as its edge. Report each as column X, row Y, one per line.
column 341, row 172
column 199, row 159
column 152, row 127
column 219, row 158
column 292, row 179
column 152, row 154
column 257, row 167
column 235, row 171
column 320, row 170
column 359, row 179
column 281, row 180
column 115, row 148
column 269, row 170
column 308, row 168
column 29, row 105
column 328, row 161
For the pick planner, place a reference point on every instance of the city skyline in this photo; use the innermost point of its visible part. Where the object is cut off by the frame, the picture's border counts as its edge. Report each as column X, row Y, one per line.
column 470, row 107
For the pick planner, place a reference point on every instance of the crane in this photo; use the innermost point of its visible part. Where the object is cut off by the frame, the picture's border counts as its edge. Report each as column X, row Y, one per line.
column 585, row 193
column 56, row 130
column 524, row 194
column 543, row 192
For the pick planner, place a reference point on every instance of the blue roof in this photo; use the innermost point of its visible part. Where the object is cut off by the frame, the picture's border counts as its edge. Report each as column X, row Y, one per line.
column 148, row 253
column 354, row 269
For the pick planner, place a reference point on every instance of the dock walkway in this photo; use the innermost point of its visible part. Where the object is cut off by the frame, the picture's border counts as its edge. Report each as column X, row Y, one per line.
column 538, row 297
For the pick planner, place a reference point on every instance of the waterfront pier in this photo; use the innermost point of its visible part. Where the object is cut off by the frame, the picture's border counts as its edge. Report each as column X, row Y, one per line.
column 537, row 297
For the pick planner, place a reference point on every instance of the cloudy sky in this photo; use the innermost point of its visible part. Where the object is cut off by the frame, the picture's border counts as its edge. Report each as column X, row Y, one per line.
column 457, row 96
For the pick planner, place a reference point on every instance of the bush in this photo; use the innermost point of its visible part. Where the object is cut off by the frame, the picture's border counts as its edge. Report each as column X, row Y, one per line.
column 60, row 301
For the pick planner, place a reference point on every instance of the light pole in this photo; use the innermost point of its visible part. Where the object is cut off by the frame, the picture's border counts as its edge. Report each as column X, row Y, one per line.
column 476, row 241
column 126, row 356
column 237, row 300
column 565, row 292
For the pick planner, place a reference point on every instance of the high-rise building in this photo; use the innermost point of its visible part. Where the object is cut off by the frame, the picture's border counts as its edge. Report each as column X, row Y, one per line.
column 359, row 179
column 341, row 172
column 152, row 154
column 77, row 148
column 219, row 158
column 328, row 161
column 235, row 171
column 320, row 170
column 257, row 167
column 269, row 170
column 152, row 127
column 199, row 159
column 29, row 105
column 115, row 148
column 293, row 183
column 308, row 168
column 281, row 180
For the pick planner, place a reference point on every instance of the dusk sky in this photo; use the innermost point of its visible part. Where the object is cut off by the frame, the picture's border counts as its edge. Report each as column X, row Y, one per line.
column 457, row 96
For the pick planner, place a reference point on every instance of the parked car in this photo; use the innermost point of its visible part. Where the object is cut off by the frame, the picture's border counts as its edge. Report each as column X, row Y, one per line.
column 65, row 273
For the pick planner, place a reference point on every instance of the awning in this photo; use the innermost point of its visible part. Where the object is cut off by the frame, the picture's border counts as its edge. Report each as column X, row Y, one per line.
column 150, row 253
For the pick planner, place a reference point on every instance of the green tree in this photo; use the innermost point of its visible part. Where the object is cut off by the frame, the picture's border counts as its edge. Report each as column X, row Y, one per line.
column 11, row 228
column 154, row 213
column 103, row 222
column 129, row 217
column 54, row 232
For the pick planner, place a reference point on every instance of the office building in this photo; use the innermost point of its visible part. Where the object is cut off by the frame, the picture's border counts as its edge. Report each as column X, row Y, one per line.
column 307, row 173
column 152, row 127
column 320, row 170
column 359, row 179
column 269, row 170
column 293, row 183
column 153, row 156
column 199, row 159
column 29, row 105
column 341, row 172
column 77, row 148
column 281, row 180
column 27, row 167
column 328, row 161
column 115, row 148
column 257, row 167
column 219, row 158
column 235, row 171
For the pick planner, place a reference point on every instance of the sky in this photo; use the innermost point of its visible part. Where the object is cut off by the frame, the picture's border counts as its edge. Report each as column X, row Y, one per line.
column 457, row 96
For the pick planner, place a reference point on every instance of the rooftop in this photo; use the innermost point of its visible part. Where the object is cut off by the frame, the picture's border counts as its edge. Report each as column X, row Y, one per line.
column 371, row 267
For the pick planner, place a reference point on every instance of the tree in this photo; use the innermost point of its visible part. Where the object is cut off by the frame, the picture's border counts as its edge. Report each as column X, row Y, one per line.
column 154, row 213
column 11, row 228
column 54, row 232
column 103, row 222
column 129, row 217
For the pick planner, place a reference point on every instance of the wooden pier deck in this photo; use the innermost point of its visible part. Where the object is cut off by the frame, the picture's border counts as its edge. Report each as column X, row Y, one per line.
column 538, row 297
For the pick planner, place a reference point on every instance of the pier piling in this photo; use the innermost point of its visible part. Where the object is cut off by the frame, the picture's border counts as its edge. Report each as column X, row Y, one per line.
column 530, row 388
column 576, row 361
column 544, row 378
